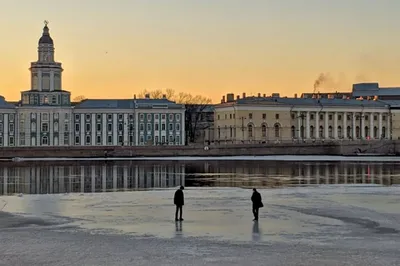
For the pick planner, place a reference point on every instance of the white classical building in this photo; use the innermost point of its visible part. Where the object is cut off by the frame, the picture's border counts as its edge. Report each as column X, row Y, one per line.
column 45, row 115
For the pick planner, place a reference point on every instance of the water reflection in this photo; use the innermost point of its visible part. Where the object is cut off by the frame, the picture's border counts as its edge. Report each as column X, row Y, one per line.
column 85, row 177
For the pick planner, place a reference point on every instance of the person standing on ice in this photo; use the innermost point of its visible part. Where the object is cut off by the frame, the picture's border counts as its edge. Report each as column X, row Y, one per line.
column 179, row 201
column 257, row 203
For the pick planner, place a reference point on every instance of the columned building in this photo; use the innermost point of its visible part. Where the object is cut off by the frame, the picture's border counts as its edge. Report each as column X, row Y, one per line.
column 46, row 117
column 264, row 119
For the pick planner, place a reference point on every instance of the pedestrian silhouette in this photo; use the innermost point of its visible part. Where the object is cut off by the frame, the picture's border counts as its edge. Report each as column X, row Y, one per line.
column 179, row 201
column 257, row 203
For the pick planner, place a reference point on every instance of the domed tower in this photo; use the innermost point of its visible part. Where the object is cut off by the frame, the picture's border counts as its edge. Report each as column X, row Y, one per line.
column 46, row 76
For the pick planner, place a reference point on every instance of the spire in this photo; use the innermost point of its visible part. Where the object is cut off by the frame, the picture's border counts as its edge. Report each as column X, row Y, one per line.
column 45, row 39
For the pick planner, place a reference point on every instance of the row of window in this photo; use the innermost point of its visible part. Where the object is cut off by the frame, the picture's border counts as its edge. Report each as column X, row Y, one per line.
column 250, row 129
column 11, row 117
column 312, row 116
column 374, row 133
column 171, row 117
column 11, row 141
column 163, row 117
column 120, row 141
column 163, row 127
column 11, row 127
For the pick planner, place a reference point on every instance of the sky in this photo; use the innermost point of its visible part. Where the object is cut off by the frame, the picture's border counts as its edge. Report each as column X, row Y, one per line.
column 118, row 48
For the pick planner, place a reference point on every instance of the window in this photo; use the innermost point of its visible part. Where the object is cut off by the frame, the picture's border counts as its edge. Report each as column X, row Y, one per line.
column 1, row 140
column 177, row 140
column 162, row 139
column 66, row 116
column 1, row 127
column 321, row 131
column 141, row 127
column 87, row 116
column 171, row 117
column 375, row 133
column 171, row 138
column 339, row 117
column 77, row 140
column 141, row 117
column 77, row 117
column 366, row 129
column 293, row 130
column 56, row 116
column 263, row 131
column 148, row 117
column 218, row 117
column 149, row 137
column 162, row 126
column 348, row 117
column 109, row 139
column 11, row 127
column 55, row 127
column 45, row 127
column 120, row 127
column 66, row 139
column 383, row 133
column 45, row 117
column 156, row 140
column 109, row 117
column 230, row 116
column 120, row 140
column 66, row 127
column 156, row 127
column 98, row 140
column 312, row 116
column 349, row 132
column 358, row 132
column 130, row 117
column 98, row 116
column 330, row 131
column 312, row 131
column 131, row 127
column 130, row 139
column 330, row 117
column 250, row 130
column 178, row 117
column 109, row 127
column 277, row 130
column 156, row 117
column 163, row 116
column 98, row 127
column 148, row 127
column 384, row 118
column 87, row 127
column 366, row 117
column 33, row 127
column 264, row 116
column 11, row 116
column 171, row 126
column 321, row 117
column 11, row 141
column 88, row 140
column 250, row 115
column 77, row 127
column 340, row 132
column 276, row 116
column 375, row 117
column 141, row 139
column 178, row 127
column 120, row 117
column 45, row 140
column 293, row 116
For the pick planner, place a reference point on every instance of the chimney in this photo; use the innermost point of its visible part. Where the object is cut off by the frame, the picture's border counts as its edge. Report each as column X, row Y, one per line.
column 264, row 95
column 147, row 96
column 134, row 96
column 237, row 97
column 244, row 95
column 259, row 95
column 223, row 99
column 295, row 95
column 164, row 96
column 230, row 97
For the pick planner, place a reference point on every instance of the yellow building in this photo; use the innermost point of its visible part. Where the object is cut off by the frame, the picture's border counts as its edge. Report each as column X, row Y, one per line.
column 275, row 119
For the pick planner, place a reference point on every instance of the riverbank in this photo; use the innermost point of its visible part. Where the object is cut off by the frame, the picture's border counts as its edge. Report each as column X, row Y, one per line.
column 335, row 148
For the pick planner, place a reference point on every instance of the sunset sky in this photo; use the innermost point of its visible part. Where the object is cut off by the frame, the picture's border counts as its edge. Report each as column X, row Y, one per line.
column 114, row 49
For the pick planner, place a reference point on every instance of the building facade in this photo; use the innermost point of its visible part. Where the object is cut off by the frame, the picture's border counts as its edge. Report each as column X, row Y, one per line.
column 275, row 119
column 45, row 115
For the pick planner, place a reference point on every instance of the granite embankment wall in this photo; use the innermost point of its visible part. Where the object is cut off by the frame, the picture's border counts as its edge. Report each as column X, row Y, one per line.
column 327, row 148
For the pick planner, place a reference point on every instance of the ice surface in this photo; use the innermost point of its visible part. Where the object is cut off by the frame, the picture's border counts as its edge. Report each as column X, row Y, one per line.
column 328, row 225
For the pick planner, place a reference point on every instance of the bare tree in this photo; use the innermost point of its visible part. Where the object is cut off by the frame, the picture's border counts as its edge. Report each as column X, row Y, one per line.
column 195, row 106
column 79, row 98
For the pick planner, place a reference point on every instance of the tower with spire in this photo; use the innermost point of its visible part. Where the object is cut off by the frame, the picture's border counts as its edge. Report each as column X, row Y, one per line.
column 46, row 76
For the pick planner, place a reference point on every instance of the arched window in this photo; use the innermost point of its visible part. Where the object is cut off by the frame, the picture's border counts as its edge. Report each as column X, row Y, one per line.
column 293, row 132
column 312, row 131
column 87, row 140
column 277, row 130
column 339, row 132
column 250, row 130
column 302, row 132
column 383, row 132
column 349, row 134
column 357, row 132
column 321, row 131
column 45, row 140
column 375, row 133
column 366, row 131
column 330, row 132
column 264, row 131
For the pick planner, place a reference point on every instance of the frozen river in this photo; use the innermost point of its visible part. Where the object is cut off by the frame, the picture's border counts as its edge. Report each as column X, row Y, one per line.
column 346, row 215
